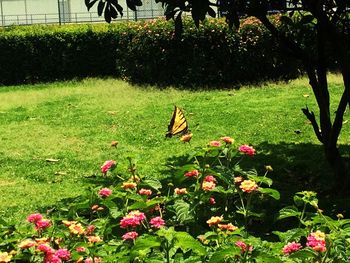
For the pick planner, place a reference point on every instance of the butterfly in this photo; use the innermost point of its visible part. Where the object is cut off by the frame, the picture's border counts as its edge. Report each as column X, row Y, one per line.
column 178, row 123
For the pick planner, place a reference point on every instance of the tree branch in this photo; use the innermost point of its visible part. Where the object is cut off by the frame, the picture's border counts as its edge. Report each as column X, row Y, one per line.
column 311, row 117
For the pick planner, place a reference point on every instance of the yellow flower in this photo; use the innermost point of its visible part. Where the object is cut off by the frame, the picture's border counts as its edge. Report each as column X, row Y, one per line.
column 248, row 186
column 319, row 235
column 28, row 243
column 268, row 168
column 129, row 185
column 228, row 140
column 208, row 186
column 214, row 220
column 94, row 239
column 5, row 257
column 76, row 229
column 180, row 191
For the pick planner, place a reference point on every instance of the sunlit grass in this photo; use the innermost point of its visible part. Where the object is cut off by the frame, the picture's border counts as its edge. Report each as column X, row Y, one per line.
column 75, row 122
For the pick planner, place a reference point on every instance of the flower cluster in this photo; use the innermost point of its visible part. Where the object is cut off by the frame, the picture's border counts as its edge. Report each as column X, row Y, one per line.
column 192, row 173
column 39, row 222
column 209, row 183
column 291, row 247
column 246, row 149
column 133, row 219
column 243, row 246
column 105, row 192
column 248, row 186
column 108, row 166
column 317, row 241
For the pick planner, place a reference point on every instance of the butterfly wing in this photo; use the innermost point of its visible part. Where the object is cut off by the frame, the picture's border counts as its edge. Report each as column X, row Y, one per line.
column 178, row 123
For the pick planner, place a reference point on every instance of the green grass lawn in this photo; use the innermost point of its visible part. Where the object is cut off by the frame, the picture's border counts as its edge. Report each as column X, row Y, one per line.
column 75, row 122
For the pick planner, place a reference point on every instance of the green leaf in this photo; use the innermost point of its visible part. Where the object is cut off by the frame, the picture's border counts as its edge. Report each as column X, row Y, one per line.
column 186, row 242
column 182, row 210
column 304, row 254
column 115, row 212
column 143, row 245
column 270, row 192
column 153, row 183
column 289, row 211
column 224, row 254
column 261, row 179
column 264, row 257
column 286, row 20
column 291, row 235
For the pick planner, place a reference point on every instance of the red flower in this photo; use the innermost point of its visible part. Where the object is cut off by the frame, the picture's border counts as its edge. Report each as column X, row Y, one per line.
column 108, row 166
column 33, row 218
column 192, row 173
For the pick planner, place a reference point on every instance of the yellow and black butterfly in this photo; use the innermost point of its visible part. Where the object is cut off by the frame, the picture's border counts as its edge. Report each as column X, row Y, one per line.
column 178, row 123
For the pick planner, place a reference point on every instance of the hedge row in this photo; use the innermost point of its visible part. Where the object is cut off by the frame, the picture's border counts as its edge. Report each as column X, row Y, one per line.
column 144, row 52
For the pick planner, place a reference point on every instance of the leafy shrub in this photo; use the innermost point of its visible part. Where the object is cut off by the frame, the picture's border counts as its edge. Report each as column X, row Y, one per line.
column 205, row 211
column 144, row 52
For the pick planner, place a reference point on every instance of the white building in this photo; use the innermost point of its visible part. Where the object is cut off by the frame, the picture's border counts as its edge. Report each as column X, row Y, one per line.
column 65, row 11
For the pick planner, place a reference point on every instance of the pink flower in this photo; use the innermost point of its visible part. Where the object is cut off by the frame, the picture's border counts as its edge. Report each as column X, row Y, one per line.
column 130, row 235
column 108, row 166
column 52, row 258
column 105, row 192
column 132, row 219
column 210, row 178
column 45, row 248
column 212, row 201
column 144, row 191
column 192, row 173
column 215, row 143
column 80, row 249
column 157, row 222
column 243, row 246
column 317, row 241
column 63, row 253
column 291, row 247
column 33, row 218
column 96, row 260
column 246, row 149
column 42, row 224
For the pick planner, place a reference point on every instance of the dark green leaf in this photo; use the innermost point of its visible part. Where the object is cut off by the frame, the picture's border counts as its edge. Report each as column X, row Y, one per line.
column 131, row 5
column 143, row 245
column 289, row 211
column 270, row 192
column 211, row 12
column 286, row 20
column 224, row 254
column 186, row 242
column 182, row 210
column 306, row 19
column 290, row 235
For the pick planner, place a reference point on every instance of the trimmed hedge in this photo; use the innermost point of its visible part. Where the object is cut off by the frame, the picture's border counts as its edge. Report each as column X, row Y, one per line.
column 144, row 52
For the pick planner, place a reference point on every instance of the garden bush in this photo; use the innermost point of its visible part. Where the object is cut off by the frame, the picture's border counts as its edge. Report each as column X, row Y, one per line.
column 146, row 52
column 205, row 210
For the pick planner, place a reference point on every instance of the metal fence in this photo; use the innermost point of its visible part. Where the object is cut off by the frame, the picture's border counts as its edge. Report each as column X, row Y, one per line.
column 27, row 12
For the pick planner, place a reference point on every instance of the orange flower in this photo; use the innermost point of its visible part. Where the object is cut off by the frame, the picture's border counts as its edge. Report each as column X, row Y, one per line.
column 214, row 220
column 129, row 185
column 228, row 140
column 94, row 207
column 28, row 243
column 94, row 239
column 114, row 143
column 228, row 227
column 69, row 223
column 208, row 186
column 180, row 191
column 186, row 138
column 248, row 186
